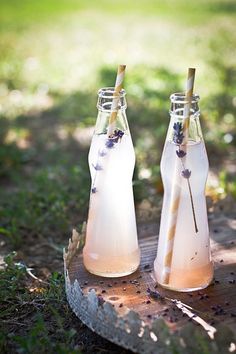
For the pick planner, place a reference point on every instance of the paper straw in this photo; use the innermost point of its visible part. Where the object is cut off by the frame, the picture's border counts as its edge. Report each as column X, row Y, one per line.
column 175, row 199
column 116, row 96
column 189, row 94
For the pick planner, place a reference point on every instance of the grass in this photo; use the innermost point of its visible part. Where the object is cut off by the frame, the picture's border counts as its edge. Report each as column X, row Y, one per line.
column 14, row 12
column 33, row 306
column 53, row 58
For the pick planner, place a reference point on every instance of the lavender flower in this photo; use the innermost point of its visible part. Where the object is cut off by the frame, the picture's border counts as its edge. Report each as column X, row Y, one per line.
column 119, row 133
column 186, row 173
column 114, row 138
column 109, row 143
column 178, row 138
column 97, row 167
column 154, row 294
column 178, row 133
column 102, row 153
column 180, row 153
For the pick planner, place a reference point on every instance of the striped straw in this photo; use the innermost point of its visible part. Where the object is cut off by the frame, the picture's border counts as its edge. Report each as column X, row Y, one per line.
column 177, row 186
column 189, row 94
column 115, row 102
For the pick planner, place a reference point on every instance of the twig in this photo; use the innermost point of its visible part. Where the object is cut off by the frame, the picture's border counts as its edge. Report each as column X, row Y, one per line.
column 28, row 270
column 14, row 322
column 186, row 309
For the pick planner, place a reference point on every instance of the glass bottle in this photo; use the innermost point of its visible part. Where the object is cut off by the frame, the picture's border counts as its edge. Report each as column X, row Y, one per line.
column 183, row 261
column 111, row 246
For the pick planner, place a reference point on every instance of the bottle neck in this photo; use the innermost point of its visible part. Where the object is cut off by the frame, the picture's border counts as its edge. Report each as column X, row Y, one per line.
column 184, row 124
column 105, row 105
column 103, row 119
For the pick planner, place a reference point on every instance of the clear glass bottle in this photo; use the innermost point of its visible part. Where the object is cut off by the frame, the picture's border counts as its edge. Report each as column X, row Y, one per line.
column 111, row 246
column 183, row 261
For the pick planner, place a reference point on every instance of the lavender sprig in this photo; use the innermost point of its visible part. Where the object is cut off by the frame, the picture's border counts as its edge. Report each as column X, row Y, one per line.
column 178, row 133
column 186, row 310
column 97, row 167
column 154, row 294
column 114, row 138
column 186, row 173
column 178, row 138
column 102, row 153
column 192, row 205
column 180, row 153
column 109, row 144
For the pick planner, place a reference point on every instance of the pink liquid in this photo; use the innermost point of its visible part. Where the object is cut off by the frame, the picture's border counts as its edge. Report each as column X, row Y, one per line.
column 111, row 266
column 111, row 247
column 191, row 267
column 188, row 279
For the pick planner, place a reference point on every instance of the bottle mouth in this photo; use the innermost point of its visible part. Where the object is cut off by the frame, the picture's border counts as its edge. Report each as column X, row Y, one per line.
column 179, row 103
column 180, row 98
column 108, row 92
column 107, row 96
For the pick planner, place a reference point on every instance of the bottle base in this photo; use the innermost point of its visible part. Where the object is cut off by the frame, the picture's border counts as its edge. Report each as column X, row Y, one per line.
column 112, row 275
column 111, row 267
column 185, row 290
column 186, row 280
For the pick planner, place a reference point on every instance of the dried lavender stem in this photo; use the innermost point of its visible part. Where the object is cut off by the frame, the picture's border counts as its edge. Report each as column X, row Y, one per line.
column 191, row 198
column 93, row 188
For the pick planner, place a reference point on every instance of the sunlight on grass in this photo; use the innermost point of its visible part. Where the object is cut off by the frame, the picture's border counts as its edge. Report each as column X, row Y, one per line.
column 53, row 59
column 20, row 136
column 69, row 52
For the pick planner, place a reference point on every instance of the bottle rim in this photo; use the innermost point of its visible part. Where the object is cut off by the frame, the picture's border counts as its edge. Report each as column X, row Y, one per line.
column 108, row 92
column 180, row 98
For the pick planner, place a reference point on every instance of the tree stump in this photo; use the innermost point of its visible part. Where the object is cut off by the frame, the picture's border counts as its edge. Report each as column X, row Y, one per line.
column 122, row 311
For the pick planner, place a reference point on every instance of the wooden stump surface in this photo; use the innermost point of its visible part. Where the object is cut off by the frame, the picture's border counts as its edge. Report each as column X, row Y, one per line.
column 215, row 304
